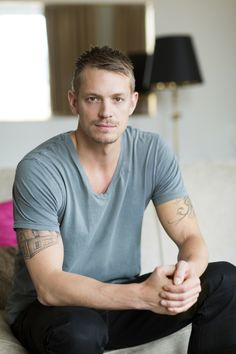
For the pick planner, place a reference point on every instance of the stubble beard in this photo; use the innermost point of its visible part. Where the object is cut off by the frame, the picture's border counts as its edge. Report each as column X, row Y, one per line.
column 105, row 140
column 101, row 138
column 106, row 137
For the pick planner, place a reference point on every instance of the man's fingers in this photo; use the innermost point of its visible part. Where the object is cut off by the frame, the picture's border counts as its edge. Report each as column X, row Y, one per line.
column 185, row 307
column 179, row 306
column 189, row 284
column 181, row 296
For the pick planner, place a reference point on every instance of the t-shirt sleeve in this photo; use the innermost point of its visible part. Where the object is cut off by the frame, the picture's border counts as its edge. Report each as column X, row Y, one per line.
column 169, row 183
column 37, row 197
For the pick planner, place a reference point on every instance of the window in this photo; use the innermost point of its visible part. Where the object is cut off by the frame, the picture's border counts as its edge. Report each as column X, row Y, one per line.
column 24, row 68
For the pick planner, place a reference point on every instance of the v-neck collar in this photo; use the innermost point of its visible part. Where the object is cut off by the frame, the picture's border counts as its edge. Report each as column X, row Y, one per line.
column 77, row 161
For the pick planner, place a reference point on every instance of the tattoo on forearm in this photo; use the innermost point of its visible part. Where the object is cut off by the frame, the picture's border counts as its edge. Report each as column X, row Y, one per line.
column 184, row 209
column 32, row 242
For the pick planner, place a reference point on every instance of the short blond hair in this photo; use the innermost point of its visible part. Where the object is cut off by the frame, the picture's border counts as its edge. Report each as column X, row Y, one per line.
column 104, row 58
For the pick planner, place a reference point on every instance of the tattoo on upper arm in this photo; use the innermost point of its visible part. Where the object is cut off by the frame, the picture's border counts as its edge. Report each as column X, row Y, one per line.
column 32, row 242
column 184, row 208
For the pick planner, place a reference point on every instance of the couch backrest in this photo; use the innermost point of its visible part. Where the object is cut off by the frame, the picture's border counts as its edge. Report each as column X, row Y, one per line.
column 6, row 182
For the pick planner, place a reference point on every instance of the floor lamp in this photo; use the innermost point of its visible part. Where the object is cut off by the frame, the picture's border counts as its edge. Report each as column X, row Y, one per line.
column 174, row 64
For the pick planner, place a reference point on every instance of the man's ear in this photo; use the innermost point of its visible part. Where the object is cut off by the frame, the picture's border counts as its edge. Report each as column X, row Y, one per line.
column 72, row 98
column 134, row 100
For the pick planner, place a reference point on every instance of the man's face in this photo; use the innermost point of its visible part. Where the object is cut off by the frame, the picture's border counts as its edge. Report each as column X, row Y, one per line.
column 104, row 104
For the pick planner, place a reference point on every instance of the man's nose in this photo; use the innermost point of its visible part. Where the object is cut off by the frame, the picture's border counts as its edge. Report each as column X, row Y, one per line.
column 105, row 110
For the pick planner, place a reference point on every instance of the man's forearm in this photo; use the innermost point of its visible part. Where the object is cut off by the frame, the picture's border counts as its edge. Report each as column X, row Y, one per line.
column 78, row 290
column 194, row 251
column 67, row 289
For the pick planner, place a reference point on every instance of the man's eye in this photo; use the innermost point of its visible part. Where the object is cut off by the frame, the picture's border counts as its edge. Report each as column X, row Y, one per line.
column 119, row 99
column 92, row 99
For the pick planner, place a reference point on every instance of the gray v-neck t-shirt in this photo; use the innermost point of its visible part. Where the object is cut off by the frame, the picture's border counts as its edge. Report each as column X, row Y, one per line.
column 100, row 232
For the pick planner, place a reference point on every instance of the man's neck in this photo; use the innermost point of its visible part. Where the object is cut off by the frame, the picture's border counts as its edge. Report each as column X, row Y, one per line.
column 96, row 154
column 99, row 161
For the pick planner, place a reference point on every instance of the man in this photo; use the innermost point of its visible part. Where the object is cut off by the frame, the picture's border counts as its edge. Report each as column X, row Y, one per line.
column 79, row 200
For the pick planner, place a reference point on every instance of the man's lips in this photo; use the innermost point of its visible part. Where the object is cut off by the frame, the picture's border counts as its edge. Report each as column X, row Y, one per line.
column 106, row 125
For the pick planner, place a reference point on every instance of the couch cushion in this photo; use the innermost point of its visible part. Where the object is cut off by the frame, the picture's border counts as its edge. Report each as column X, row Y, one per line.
column 7, row 257
column 8, row 343
column 176, row 343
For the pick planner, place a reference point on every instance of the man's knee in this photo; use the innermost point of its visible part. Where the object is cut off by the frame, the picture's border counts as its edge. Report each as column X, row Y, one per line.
column 219, row 282
column 216, row 309
column 220, row 273
column 82, row 332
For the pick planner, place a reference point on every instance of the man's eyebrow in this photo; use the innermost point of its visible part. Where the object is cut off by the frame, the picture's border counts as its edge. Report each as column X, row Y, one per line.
column 91, row 94
column 119, row 94
column 115, row 94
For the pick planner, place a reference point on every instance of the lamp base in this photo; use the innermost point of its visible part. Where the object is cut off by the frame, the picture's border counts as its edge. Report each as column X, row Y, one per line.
column 175, row 120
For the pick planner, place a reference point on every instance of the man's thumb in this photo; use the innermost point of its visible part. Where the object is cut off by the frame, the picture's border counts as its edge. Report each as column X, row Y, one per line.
column 179, row 273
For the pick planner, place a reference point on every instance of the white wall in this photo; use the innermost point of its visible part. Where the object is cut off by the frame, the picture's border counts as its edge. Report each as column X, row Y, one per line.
column 16, row 139
column 208, row 123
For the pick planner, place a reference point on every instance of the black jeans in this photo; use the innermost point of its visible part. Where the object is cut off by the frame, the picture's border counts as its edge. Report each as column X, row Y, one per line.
column 80, row 330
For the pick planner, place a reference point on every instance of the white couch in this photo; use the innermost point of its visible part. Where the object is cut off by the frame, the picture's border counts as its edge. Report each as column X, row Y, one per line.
column 212, row 188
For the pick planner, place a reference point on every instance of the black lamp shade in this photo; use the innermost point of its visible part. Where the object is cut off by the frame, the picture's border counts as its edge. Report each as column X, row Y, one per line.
column 175, row 61
column 142, row 71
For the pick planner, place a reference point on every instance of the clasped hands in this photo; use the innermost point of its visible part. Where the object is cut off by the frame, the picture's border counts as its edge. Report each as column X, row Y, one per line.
column 171, row 289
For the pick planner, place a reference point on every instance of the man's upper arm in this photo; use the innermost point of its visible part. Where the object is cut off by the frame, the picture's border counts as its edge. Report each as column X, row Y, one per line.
column 43, row 254
column 38, row 197
column 178, row 219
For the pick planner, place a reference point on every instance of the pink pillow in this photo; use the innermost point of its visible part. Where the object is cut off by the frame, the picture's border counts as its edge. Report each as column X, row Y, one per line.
column 7, row 233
